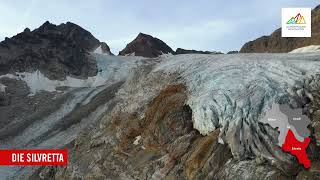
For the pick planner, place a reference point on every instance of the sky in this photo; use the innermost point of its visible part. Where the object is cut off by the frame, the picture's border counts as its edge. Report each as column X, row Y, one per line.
column 213, row 25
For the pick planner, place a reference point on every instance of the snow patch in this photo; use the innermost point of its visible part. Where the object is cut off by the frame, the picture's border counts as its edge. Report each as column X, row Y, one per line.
column 2, row 88
column 130, row 54
column 220, row 141
column 111, row 69
column 307, row 49
column 136, row 141
column 36, row 81
column 100, row 51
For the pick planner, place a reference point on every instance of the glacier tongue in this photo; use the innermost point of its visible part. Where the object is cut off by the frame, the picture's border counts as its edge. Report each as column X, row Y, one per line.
column 232, row 92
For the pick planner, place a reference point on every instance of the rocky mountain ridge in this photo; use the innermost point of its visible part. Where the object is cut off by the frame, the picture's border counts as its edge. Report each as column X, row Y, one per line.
column 277, row 44
column 55, row 50
column 146, row 46
column 187, row 51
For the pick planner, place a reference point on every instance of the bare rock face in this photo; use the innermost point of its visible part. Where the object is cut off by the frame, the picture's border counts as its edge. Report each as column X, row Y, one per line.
column 277, row 44
column 233, row 52
column 187, row 51
column 146, row 46
column 55, row 50
column 105, row 48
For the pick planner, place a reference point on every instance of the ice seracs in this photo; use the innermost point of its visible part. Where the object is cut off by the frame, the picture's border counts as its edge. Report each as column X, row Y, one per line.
column 233, row 92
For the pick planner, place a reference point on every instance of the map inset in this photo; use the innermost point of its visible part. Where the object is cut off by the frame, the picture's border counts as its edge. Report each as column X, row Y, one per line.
column 292, row 125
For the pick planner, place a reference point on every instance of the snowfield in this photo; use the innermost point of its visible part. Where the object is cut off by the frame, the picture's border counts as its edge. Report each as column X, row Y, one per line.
column 307, row 49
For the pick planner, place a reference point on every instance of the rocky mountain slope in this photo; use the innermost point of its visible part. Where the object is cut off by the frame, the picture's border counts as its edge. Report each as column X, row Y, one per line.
column 277, row 44
column 187, row 51
column 146, row 46
column 56, row 51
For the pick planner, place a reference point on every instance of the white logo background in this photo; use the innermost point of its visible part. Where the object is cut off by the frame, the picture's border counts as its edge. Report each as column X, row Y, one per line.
column 296, row 30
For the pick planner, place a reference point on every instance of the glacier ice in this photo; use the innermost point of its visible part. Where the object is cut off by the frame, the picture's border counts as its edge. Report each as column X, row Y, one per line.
column 222, row 85
column 232, row 92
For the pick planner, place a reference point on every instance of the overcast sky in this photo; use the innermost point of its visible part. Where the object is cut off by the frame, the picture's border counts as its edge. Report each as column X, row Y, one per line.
column 220, row 25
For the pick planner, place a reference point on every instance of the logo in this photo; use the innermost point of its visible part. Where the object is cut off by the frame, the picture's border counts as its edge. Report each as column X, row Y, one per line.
column 296, row 22
column 299, row 19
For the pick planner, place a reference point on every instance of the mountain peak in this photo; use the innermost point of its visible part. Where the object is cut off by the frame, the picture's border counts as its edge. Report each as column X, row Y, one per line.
column 143, row 35
column 55, row 50
column 147, row 46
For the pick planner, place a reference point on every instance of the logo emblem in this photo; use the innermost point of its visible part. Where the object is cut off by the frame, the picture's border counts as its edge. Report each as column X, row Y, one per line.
column 296, row 22
column 299, row 19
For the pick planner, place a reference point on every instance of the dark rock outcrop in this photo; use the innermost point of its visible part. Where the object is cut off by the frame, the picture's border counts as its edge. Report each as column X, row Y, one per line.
column 55, row 50
column 146, row 46
column 105, row 48
column 233, row 52
column 187, row 51
column 277, row 44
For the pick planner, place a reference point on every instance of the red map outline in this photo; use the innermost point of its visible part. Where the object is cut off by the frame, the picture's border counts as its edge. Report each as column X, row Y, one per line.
column 297, row 148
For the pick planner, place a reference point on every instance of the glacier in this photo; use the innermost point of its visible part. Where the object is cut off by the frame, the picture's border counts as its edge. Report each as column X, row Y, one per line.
column 221, row 86
column 232, row 92
column 229, row 92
